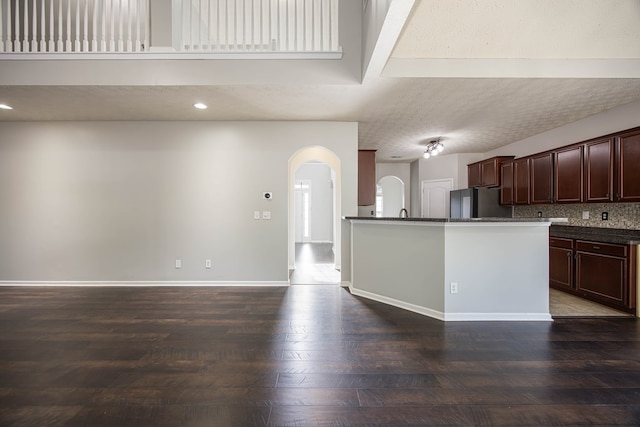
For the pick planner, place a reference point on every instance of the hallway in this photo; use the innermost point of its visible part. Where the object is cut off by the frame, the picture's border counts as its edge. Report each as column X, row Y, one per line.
column 314, row 265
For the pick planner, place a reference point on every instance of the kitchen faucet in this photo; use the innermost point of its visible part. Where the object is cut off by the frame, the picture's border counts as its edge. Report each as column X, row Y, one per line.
column 404, row 213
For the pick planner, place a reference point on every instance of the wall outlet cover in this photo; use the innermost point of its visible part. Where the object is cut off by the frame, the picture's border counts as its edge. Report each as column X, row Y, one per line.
column 585, row 214
column 605, row 216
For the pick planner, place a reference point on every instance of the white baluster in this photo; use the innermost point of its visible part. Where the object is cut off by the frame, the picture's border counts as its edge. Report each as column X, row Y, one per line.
column 112, row 40
column 52, row 28
column 103, row 41
column 138, row 18
column 43, row 22
column 2, row 30
column 121, row 26
column 145, row 16
column 16, row 44
column 76, row 44
column 34, row 27
column 334, row 26
column 25, row 35
column 129, row 45
column 68, row 44
column 60, row 46
column 94, row 26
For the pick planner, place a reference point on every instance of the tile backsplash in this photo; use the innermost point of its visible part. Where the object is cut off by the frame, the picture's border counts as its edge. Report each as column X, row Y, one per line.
column 621, row 215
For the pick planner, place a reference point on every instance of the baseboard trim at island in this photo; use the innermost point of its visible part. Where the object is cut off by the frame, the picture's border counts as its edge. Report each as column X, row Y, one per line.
column 397, row 303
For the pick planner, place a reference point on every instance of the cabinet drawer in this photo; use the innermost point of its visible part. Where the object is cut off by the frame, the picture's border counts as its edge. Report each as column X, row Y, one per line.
column 560, row 242
column 601, row 248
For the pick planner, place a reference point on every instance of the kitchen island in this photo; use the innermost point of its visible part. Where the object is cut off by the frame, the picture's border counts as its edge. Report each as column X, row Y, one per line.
column 454, row 269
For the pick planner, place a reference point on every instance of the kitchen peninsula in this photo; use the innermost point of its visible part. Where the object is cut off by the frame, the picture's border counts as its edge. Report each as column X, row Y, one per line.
column 454, row 269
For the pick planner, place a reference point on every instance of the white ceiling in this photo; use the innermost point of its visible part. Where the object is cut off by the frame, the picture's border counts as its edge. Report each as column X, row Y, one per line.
column 396, row 116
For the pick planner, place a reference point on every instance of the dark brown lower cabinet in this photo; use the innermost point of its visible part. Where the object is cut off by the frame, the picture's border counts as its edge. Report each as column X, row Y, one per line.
column 602, row 272
column 561, row 263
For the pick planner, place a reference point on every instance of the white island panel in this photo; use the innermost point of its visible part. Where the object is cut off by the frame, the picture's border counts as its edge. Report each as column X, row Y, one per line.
column 500, row 267
column 501, row 271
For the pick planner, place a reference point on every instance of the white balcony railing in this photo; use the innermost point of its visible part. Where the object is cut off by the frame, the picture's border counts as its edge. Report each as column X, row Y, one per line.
column 57, row 26
column 191, row 26
column 256, row 25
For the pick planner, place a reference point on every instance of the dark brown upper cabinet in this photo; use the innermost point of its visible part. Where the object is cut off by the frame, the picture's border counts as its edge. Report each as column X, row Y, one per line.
column 474, row 175
column 541, row 167
column 486, row 173
column 568, row 165
column 598, row 170
column 366, row 177
column 506, row 189
column 521, row 182
column 627, row 163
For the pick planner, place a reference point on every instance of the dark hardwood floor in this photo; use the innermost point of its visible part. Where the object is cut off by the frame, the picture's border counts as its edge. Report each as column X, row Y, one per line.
column 299, row 356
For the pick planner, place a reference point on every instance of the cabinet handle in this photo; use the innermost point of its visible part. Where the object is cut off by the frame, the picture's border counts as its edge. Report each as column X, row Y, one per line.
column 568, row 254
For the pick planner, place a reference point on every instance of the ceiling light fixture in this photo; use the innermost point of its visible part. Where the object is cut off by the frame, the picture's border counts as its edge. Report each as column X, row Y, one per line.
column 200, row 106
column 434, row 148
column 5, row 107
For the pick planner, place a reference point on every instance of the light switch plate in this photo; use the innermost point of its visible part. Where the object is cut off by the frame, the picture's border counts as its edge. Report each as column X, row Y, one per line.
column 585, row 214
column 266, row 215
column 256, row 214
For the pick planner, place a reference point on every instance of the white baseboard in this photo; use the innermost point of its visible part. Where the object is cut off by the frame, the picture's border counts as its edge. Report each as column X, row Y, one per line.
column 151, row 283
column 453, row 317
column 346, row 284
column 492, row 317
column 397, row 303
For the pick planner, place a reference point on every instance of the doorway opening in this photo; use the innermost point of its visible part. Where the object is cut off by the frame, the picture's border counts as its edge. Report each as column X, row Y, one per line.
column 314, row 225
column 389, row 196
column 314, row 196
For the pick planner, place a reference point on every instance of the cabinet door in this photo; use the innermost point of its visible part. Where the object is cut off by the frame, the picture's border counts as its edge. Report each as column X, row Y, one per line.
column 602, row 277
column 521, row 182
column 489, row 172
column 506, row 189
column 541, row 178
column 627, row 161
column 560, row 268
column 474, row 175
column 366, row 177
column 598, row 173
column 568, row 175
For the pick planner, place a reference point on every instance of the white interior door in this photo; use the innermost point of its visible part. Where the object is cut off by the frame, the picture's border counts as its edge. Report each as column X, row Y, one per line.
column 435, row 198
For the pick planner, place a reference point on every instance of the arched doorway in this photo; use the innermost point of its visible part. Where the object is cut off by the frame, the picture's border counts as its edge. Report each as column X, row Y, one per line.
column 324, row 165
column 391, row 196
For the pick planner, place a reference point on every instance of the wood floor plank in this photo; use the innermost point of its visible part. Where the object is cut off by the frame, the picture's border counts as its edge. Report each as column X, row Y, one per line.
column 313, row 355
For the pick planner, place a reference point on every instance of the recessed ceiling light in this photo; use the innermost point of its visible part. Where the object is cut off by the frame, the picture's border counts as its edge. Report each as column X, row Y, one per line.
column 5, row 107
column 200, row 106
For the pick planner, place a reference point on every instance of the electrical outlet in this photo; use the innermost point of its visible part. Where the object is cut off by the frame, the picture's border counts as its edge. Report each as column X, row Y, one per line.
column 539, row 214
column 178, row 263
column 585, row 214
column 605, row 216
column 266, row 215
column 454, row 287
column 207, row 264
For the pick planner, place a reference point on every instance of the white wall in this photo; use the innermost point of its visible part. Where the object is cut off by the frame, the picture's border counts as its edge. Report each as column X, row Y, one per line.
column 321, row 226
column 121, row 201
column 452, row 166
column 402, row 171
column 372, row 21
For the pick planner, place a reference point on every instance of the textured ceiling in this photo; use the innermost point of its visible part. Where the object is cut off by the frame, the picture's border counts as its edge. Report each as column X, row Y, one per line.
column 395, row 116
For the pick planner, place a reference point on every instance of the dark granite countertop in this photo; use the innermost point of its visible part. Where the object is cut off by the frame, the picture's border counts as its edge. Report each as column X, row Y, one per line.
column 453, row 220
column 598, row 234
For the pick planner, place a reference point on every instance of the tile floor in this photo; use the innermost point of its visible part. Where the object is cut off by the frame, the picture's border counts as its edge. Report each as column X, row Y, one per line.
column 562, row 304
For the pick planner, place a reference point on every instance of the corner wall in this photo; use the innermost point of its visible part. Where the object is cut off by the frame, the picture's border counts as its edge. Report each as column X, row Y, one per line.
column 121, row 201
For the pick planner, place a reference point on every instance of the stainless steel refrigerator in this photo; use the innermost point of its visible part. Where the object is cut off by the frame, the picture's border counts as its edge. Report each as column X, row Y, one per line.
column 478, row 203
